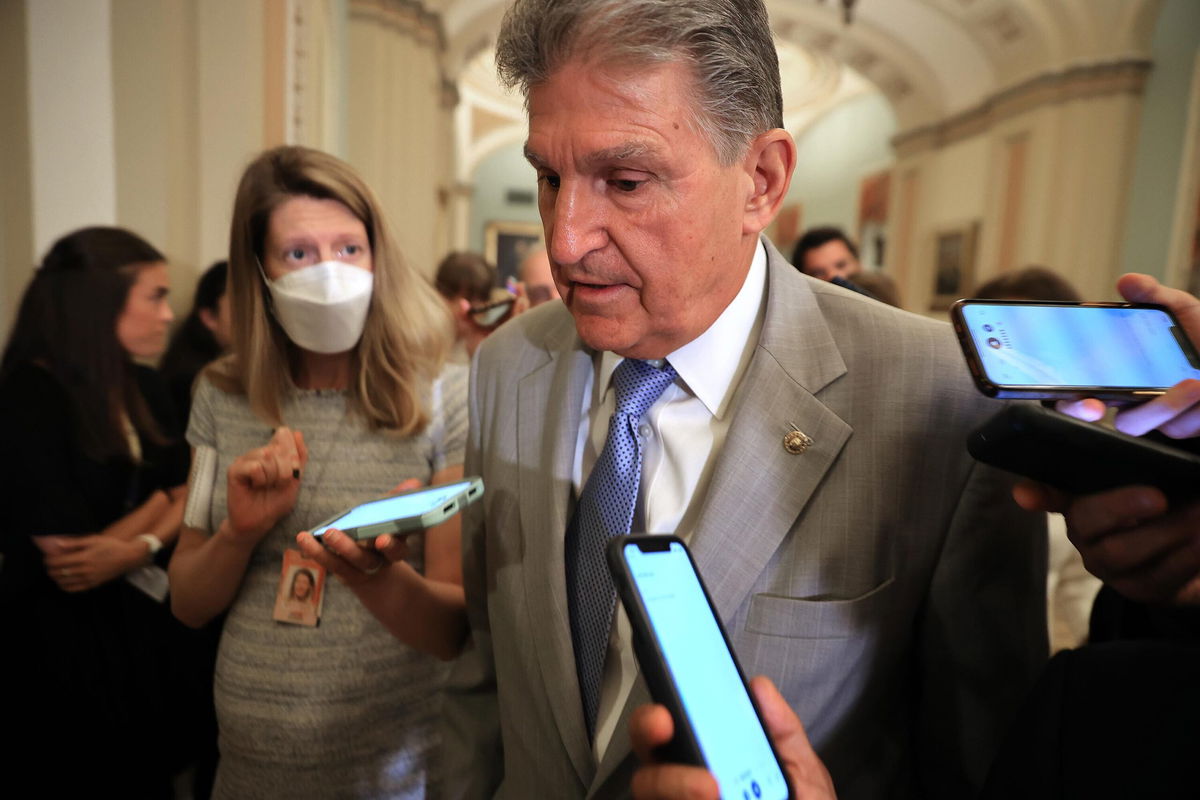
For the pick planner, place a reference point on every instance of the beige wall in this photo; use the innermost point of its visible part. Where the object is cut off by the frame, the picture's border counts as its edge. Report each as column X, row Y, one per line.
column 150, row 123
column 190, row 107
column 398, row 133
column 16, row 215
column 1045, row 172
column 71, row 113
column 155, row 81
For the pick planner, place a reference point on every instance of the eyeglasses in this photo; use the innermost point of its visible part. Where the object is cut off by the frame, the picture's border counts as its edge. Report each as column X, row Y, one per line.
column 490, row 315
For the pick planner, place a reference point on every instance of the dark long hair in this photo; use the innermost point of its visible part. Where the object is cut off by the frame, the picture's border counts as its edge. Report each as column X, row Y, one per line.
column 67, row 325
column 193, row 345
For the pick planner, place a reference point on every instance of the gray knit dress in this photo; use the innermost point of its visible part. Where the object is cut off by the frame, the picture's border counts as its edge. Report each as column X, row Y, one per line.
column 342, row 709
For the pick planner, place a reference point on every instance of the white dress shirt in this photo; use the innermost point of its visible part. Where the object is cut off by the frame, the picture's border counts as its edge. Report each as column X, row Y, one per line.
column 681, row 433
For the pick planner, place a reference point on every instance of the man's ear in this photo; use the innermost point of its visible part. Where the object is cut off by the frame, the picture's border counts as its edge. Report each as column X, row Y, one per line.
column 769, row 163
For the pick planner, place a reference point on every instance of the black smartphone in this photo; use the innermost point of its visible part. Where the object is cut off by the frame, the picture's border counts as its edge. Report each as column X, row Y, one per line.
column 685, row 656
column 1055, row 350
column 1081, row 457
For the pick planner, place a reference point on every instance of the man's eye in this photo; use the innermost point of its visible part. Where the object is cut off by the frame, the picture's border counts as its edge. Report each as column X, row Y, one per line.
column 624, row 185
column 550, row 180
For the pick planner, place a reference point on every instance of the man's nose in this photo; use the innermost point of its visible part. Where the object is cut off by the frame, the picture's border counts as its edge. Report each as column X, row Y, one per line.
column 577, row 224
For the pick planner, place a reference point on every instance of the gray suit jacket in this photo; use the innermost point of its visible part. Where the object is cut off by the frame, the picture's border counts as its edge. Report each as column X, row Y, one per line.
column 882, row 579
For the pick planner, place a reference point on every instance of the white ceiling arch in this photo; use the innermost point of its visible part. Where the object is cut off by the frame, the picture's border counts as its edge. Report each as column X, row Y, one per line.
column 932, row 59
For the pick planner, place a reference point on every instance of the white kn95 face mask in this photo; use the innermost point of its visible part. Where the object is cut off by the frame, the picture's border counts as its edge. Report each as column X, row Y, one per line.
column 322, row 308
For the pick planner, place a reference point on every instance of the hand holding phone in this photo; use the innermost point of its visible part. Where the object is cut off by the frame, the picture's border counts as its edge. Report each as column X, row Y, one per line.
column 691, row 669
column 408, row 511
column 1057, row 350
column 651, row 728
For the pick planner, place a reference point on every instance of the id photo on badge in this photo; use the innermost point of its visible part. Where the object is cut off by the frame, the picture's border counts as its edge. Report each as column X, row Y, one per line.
column 301, row 590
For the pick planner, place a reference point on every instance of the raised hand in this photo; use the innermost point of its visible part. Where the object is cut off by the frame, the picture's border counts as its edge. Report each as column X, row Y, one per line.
column 263, row 484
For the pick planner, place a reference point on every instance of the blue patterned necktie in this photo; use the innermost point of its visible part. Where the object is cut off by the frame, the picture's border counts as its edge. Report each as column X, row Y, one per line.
column 605, row 510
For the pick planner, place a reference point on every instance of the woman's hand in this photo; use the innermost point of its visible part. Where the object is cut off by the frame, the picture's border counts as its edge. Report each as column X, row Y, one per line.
column 424, row 611
column 355, row 562
column 79, row 563
column 263, row 484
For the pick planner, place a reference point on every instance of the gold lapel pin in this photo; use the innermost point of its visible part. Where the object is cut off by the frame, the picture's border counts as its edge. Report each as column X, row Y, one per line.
column 796, row 441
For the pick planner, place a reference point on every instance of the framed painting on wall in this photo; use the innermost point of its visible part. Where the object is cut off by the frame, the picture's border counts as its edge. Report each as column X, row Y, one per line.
column 507, row 243
column 873, row 193
column 954, row 264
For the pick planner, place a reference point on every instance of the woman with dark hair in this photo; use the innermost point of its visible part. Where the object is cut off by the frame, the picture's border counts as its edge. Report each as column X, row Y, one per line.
column 92, row 486
column 200, row 339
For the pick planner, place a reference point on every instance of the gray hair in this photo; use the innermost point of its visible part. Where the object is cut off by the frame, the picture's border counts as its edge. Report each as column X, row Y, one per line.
column 727, row 43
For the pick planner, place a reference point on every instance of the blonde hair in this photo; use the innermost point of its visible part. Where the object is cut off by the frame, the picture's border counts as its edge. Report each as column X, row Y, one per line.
column 407, row 332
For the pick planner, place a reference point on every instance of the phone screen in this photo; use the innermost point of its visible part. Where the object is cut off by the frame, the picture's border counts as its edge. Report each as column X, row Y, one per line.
column 402, row 506
column 707, row 680
column 1077, row 345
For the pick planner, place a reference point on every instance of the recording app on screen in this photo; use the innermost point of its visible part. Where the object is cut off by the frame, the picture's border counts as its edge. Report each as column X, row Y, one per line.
column 728, row 731
column 1077, row 346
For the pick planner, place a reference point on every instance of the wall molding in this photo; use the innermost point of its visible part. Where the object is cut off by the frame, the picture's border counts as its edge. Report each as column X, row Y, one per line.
column 1085, row 82
column 409, row 17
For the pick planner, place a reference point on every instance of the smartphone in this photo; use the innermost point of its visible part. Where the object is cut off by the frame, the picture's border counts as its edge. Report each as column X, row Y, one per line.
column 1081, row 457
column 1056, row 350
column 407, row 511
column 685, row 656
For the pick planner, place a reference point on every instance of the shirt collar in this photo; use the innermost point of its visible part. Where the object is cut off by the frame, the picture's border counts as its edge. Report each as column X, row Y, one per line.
column 713, row 362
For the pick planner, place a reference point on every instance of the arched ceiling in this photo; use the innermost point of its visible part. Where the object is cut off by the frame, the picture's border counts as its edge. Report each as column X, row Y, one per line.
column 932, row 59
column 488, row 117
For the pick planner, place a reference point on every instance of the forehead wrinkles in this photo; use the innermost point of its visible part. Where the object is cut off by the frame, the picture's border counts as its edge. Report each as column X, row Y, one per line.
column 638, row 110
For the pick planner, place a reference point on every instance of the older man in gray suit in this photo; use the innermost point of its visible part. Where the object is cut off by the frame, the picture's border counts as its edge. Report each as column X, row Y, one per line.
column 807, row 442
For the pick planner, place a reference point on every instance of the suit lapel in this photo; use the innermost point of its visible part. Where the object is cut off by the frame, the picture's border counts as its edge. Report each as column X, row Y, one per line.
column 758, row 488
column 546, row 449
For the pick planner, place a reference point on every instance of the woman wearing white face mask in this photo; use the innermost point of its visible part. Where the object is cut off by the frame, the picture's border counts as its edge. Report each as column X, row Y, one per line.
column 334, row 392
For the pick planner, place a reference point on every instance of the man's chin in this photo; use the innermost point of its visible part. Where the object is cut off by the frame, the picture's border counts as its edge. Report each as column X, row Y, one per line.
column 607, row 333
column 627, row 338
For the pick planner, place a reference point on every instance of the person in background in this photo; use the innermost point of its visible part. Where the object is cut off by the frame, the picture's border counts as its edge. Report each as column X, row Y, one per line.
column 201, row 338
column 537, row 277
column 467, row 282
column 1070, row 588
column 335, row 390
column 1030, row 283
column 828, row 254
column 97, row 692
column 879, row 286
